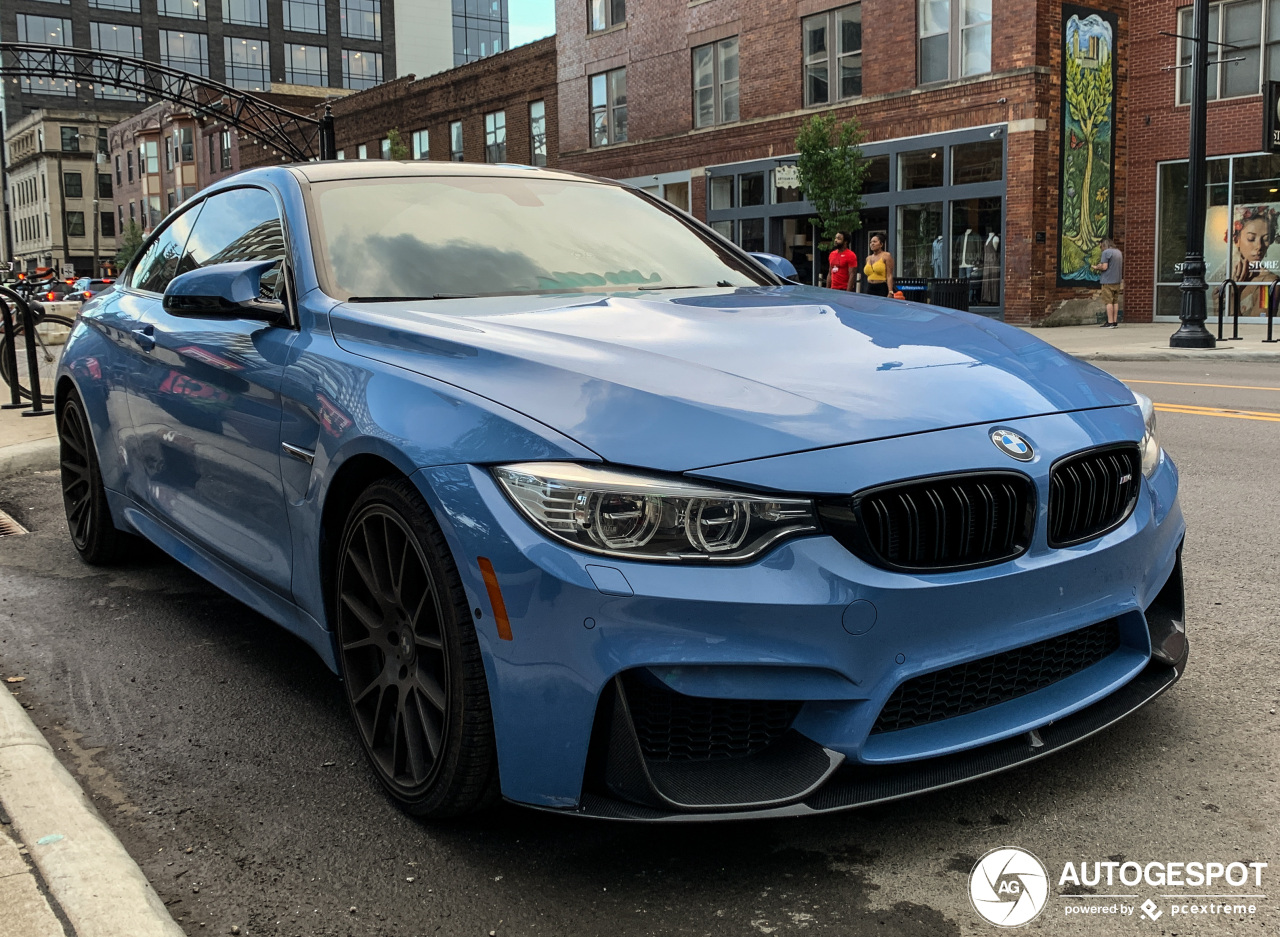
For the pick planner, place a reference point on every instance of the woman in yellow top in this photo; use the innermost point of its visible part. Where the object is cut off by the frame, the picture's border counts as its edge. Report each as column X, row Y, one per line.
column 879, row 268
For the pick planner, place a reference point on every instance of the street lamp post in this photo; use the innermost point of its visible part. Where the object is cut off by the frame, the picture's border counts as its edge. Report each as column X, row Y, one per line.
column 1192, row 333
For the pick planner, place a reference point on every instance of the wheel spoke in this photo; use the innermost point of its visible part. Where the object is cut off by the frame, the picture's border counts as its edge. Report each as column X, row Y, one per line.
column 429, row 641
column 377, row 564
column 395, row 576
column 429, row 687
column 373, row 684
column 362, row 569
column 371, row 621
column 368, row 641
column 414, row 733
column 429, row 729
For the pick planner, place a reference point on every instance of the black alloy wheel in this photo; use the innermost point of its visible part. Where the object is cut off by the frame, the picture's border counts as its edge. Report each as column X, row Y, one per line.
column 93, row 533
column 410, row 657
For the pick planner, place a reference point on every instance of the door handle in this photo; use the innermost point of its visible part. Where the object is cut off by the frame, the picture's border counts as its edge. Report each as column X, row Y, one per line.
column 144, row 337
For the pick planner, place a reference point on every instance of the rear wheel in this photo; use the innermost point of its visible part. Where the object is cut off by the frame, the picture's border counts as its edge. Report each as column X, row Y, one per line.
column 410, row 658
column 93, row 533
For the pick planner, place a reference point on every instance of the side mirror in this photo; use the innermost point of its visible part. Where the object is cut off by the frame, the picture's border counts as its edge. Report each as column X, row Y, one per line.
column 777, row 265
column 223, row 291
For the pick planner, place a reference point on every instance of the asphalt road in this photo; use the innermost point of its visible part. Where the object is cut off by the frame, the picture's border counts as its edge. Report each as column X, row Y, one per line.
column 220, row 750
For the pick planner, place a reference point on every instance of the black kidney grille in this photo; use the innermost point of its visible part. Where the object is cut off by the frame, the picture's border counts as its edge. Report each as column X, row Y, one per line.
column 1092, row 493
column 949, row 522
column 981, row 683
column 675, row 727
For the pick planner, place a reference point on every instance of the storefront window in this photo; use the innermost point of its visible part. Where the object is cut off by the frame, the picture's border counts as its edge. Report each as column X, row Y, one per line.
column 977, row 162
column 920, row 169
column 920, row 240
column 788, row 190
column 721, row 192
column 751, row 188
column 677, row 193
column 877, row 177
column 976, row 248
column 723, row 228
column 752, row 234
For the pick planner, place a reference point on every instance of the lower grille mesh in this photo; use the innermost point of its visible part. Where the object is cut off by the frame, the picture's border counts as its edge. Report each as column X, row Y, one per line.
column 978, row 684
column 675, row 727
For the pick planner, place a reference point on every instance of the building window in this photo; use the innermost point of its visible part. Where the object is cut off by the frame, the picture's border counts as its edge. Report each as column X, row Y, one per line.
column 225, row 147
column 107, row 224
column 120, row 213
column 72, row 185
column 304, row 16
column 362, row 151
column 152, row 151
column 49, row 31
column 715, row 83
column 1241, row 25
column 247, row 64
column 118, row 170
column 129, row 156
column 606, row 13
column 361, row 69
column 153, row 211
column 833, row 53
column 420, row 141
column 103, row 148
column 538, row 133
column 455, row 141
column 384, row 148
column 479, row 29
column 168, row 154
column 955, row 39
column 105, row 189
column 341, row 154
column 362, row 19
column 133, row 218
column 70, row 139
column 75, row 224
column 184, row 145
column 609, row 107
column 184, row 9
column 185, row 50
column 306, row 65
column 920, row 169
column 123, row 40
column 170, row 201
column 123, row 6
column 245, row 12
column 495, row 137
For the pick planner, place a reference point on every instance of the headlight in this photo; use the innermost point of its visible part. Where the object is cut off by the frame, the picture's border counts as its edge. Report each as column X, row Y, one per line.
column 646, row 517
column 1150, row 441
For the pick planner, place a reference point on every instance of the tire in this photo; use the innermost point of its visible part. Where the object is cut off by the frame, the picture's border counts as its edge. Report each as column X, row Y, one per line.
column 410, row 659
column 20, row 348
column 95, row 537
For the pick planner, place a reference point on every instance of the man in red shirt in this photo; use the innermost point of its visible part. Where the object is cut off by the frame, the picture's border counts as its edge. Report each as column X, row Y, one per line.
column 843, row 264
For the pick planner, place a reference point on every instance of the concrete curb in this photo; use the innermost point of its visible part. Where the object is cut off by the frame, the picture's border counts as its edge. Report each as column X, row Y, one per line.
column 36, row 456
column 100, row 888
column 1178, row 355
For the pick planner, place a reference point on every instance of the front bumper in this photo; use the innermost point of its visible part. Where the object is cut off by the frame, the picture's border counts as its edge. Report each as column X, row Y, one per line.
column 813, row 625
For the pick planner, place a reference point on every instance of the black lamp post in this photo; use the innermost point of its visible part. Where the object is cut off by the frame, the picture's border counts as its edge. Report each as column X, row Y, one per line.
column 1192, row 333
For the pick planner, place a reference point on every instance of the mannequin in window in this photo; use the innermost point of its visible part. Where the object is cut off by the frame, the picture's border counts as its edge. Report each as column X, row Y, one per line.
column 939, row 257
column 970, row 254
column 991, row 270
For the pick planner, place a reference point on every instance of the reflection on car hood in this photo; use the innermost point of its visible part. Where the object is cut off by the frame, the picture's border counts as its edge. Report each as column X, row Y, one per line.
column 687, row 379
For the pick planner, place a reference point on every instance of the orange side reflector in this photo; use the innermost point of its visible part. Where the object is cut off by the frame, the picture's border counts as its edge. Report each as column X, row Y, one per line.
column 495, row 599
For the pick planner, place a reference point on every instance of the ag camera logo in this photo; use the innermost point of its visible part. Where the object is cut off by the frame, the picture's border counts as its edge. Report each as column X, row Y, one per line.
column 1009, row 887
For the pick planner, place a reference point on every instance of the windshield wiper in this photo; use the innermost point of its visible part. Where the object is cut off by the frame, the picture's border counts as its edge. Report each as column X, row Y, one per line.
column 722, row 283
column 408, row 299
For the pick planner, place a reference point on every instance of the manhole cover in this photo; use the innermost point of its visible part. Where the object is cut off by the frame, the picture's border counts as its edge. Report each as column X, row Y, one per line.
column 9, row 527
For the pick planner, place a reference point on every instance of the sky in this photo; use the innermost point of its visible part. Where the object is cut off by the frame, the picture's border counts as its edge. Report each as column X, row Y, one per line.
column 530, row 20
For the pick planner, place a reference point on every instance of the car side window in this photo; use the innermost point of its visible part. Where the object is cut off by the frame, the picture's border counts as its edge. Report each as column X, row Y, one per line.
column 159, row 264
column 237, row 225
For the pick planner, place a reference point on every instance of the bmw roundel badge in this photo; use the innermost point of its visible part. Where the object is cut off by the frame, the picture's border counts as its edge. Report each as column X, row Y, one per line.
column 1012, row 445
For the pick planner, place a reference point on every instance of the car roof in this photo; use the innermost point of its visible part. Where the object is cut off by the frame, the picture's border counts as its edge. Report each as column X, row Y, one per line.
column 333, row 170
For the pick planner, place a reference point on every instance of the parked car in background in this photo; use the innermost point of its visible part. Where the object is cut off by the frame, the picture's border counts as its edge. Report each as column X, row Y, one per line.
column 86, row 288
column 593, row 511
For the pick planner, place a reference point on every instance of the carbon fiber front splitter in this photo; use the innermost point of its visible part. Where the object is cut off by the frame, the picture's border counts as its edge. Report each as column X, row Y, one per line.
column 862, row 785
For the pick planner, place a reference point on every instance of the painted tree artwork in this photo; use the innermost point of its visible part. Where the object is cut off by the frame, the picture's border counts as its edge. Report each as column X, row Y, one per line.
column 1088, row 123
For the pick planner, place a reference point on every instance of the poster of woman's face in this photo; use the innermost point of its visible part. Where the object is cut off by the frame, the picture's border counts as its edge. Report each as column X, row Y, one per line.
column 1253, row 232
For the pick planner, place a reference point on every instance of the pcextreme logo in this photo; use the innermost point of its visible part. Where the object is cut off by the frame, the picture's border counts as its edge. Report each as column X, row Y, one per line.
column 1009, row 887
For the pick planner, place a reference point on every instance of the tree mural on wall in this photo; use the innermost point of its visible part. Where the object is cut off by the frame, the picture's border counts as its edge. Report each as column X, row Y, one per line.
column 1088, row 119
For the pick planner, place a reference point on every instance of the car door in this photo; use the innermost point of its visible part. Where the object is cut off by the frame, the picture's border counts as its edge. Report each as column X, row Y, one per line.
column 205, row 400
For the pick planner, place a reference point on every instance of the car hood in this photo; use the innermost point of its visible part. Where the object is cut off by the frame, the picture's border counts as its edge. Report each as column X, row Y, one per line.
column 687, row 379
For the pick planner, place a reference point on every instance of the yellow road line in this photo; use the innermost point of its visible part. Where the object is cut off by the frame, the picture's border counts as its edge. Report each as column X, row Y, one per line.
column 1210, row 411
column 1188, row 384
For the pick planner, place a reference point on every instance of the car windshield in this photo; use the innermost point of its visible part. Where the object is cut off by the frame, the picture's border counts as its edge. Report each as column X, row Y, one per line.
column 445, row 236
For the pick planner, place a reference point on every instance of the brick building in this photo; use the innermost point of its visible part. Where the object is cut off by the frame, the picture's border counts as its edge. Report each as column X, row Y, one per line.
column 499, row 109
column 961, row 101
column 1243, row 185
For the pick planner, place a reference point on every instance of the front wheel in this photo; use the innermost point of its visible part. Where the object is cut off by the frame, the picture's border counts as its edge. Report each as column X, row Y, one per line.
column 410, row 658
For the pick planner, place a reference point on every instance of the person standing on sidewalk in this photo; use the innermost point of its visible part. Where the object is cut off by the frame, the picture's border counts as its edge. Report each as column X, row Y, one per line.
column 1111, row 280
column 842, row 263
column 879, row 268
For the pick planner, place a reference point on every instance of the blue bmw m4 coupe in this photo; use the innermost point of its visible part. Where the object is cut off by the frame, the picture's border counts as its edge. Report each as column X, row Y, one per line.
column 592, row 511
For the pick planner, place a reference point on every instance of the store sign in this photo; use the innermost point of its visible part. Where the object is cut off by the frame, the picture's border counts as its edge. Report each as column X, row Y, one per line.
column 788, row 177
column 1271, row 118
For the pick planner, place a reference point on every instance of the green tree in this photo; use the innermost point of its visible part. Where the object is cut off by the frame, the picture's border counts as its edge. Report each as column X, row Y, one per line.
column 130, row 242
column 397, row 146
column 1089, row 104
column 831, row 172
